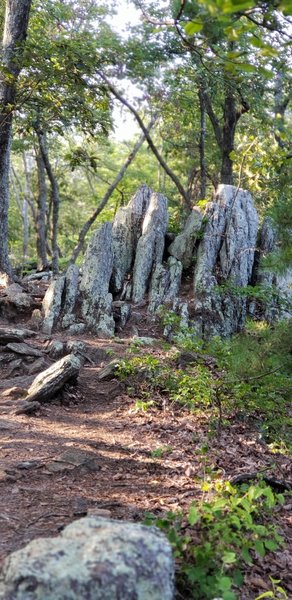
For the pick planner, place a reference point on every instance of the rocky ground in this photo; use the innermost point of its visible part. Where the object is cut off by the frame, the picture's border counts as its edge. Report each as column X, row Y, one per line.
column 88, row 451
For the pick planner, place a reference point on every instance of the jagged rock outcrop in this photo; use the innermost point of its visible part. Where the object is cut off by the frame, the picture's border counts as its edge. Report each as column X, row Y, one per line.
column 128, row 263
column 93, row 558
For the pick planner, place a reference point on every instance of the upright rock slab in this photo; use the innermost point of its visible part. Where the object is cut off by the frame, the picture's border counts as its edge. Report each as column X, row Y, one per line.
column 93, row 558
column 52, row 304
column 71, row 295
column 127, row 229
column 150, row 246
column 94, row 286
column 182, row 247
column 225, row 256
column 165, row 284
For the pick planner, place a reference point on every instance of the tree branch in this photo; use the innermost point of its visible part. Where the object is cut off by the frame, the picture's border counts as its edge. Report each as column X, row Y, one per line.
column 214, row 120
column 151, row 144
column 108, row 194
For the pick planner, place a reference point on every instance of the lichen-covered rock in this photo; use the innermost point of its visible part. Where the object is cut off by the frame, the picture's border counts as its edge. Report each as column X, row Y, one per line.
column 93, row 558
column 150, row 246
column 278, row 285
column 94, row 285
column 52, row 304
column 71, row 295
column 225, row 255
column 98, row 263
column 229, row 242
column 165, row 283
column 127, row 228
column 182, row 247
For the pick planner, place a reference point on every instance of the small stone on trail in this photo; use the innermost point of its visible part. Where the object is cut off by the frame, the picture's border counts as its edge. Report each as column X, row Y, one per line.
column 14, row 392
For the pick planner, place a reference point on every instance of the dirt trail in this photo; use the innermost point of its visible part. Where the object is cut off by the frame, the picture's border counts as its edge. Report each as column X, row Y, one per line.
column 92, row 453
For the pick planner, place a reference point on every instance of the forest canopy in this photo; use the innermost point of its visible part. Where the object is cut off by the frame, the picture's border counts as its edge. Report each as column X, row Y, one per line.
column 208, row 84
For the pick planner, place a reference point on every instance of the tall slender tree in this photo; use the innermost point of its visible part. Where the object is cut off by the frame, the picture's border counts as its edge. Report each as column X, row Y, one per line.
column 14, row 34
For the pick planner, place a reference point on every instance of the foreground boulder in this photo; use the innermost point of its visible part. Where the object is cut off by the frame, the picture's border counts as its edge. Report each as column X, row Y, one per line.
column 50, row 381
column 92, row 559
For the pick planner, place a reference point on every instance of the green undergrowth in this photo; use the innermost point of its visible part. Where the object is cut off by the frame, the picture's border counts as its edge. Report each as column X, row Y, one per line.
column 247, row 378
column 219, row 538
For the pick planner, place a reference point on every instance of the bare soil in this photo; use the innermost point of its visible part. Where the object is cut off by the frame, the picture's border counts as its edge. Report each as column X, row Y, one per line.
column 116, row 473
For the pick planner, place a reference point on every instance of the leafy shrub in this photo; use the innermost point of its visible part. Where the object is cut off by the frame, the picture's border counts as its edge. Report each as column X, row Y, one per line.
column 217, row 535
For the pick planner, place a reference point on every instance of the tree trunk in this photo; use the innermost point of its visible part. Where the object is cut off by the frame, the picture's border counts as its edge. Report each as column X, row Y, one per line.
column 15, row 28
column 41, row 224
column 281, row 103
column 203, row 168
column 228, row 134
column 55, row 199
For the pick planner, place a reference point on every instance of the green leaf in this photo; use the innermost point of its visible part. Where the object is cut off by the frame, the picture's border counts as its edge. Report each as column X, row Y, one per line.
column 286, row 8
column 232, row 155
column 271, row 545
column 229, row 558
column 193, row 27
column 224, row 583
column 246, row 556
column 230, row 6
column 246, row 67
column 260, row 549
column 194, row 516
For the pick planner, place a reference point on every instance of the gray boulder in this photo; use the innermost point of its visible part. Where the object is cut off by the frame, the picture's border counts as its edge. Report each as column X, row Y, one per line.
column 227, row 248
column 150, row 246
column 49, row 382
column 52, row 304
column 93, row 558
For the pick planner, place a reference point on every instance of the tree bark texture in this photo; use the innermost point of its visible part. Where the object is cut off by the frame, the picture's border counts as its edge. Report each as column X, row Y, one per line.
column 41, row 217
column 203, row 168
column 55, row 198
column 15, row 28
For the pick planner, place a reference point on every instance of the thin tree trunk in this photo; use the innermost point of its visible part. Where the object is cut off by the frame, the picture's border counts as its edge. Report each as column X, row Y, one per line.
column 281, row 103
column 55, row 199
column 41, row 220
column 22, row 203
column 15, row 28
column 110, row 190
column 203, row 168
column 228, row 134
